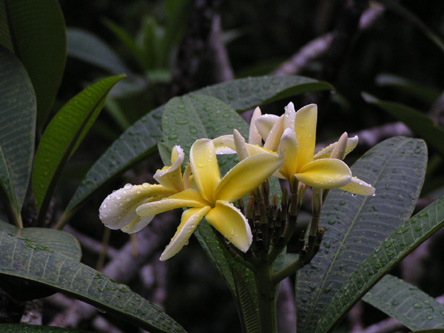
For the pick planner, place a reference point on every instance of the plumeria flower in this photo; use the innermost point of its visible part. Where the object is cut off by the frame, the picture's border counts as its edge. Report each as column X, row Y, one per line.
column 212, row 197
column 293, row 135
column 118, row 210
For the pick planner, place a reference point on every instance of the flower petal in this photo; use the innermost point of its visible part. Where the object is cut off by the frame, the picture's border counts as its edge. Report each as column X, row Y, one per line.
column 265, row 123
column 246, row 176
column 326, row 152
column 241, row 147
column 231, row 223
column 289, row 116
column 326, row 173
column 289, row 148
column 189, row 222
column 204, row 166
column 119, row 208
column 305, row 128
column 137, row 224
column 224, row 144
column 187, row 198
column 254, row 137
column 274, row 137
column 171, row 176
column 357, row 186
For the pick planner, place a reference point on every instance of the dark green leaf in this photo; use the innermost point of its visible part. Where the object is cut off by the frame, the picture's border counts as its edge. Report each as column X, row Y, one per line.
column 401, row 242
column 141, row 139
column 127, row 40
column 418, row 122
column 87, row 47
column 426, row 93
column 38, row 39
column 409, row 305
column 413, row 19
column 186, row 119
column 356, row 225
column 63, row 135
column 33, row 261
column 17, row 127
column 47, row 239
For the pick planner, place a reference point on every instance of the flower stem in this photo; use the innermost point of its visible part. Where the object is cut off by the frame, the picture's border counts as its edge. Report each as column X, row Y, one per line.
column 266, row 289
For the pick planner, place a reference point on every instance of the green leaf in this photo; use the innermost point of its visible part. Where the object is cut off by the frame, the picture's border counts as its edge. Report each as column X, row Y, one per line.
column 418, row 122
column 62, row 137
column 413, row 19
column 38, row 39
column 46, row 239
column 409, row 305
column 397, row 246
column 127, row 40
column 186, row 119
column 17, row 127
column 33, row 261
column 356, row 225
column 24, row 328
column 239, row 279
column 425, row 93
column 7, row 193
column 87, row 47
column 141, row 139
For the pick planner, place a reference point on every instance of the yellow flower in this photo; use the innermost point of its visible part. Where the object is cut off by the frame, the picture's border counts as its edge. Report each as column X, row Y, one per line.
column 211, row 197
column 293, row 135
column 118, row 210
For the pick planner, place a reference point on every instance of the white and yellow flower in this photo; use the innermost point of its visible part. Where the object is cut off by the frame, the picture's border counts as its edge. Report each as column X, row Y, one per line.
column 118, row 210
column 212, row 197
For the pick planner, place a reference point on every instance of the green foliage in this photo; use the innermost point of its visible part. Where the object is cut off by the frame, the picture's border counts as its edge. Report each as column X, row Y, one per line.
column 37, row 37
column 355, row 226
column 17, row 129
column 418, row 122
column 36, row 261
column 401, row 242
column 44, row 239
column 406, row 303
column 141, row 138
column 62, row 137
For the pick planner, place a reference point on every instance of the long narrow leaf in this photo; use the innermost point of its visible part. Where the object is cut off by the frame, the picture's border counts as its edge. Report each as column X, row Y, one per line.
column 418, row 122
column 141, row 139
column 409, row 305
column 412, row 18
column 17, row 126
column 87, row 47
column 426, row 93
column 38, row 39
column 63, row 135
column 32, row 261
column 399, row 244
column 356, row 225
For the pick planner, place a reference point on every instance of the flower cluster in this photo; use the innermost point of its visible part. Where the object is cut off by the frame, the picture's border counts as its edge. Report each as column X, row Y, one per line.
column 283, row 147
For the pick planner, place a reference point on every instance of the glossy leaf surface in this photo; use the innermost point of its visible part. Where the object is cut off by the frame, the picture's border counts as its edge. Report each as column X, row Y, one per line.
column 356, row 225
column 409, row 305
column 141, row 138
column 17, row 127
